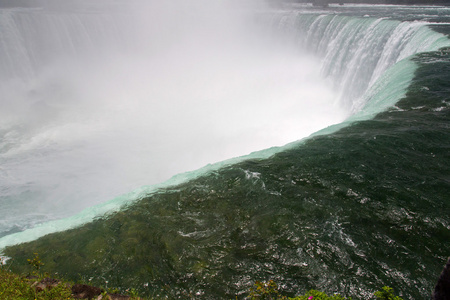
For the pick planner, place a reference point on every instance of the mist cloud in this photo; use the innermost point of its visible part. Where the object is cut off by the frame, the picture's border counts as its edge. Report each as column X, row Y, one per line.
column 134, row 94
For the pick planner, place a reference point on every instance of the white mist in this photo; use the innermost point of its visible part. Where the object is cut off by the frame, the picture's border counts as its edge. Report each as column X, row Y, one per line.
column 135, row 95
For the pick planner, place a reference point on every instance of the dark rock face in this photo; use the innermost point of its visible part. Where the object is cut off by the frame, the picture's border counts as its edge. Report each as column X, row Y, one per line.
column 83, row 291
column 442, row 289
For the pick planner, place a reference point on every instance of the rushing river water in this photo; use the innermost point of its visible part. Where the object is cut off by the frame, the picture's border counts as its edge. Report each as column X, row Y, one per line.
column 98, row 101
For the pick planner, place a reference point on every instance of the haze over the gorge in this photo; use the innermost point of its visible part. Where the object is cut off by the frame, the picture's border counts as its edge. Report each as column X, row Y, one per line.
column 100, row 100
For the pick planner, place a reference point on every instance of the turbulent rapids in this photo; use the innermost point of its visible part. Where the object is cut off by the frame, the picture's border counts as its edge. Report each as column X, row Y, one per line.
column 101, row 99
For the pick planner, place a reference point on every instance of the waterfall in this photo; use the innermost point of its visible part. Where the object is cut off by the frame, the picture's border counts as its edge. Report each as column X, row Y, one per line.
column 356, row 52
column 89, row 97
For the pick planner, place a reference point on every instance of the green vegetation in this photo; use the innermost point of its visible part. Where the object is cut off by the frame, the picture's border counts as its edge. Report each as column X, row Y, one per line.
column 386, row 293
column 269, row 291
column 317, row 295
column 17, row 287
column 29, row 287
column 36, row 263
column 265, row 290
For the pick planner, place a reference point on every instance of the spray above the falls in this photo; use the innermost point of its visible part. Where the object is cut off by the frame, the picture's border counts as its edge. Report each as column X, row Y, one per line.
column 107, row 100
column 96, row 103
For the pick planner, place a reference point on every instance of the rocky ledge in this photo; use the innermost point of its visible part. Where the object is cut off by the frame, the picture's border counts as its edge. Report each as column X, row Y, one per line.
column 79, row 291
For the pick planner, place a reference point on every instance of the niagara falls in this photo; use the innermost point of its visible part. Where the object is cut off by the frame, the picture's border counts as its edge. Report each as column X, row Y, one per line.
column 188, row 149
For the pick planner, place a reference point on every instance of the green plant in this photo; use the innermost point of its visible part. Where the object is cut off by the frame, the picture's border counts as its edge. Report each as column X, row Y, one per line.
column 2, row 262
column 265, row 290
column 61, row 291
column 16, row 287
column 36, row 263
column 386, row 293
column 132, row 293
column 317, row 295
column 112, row 291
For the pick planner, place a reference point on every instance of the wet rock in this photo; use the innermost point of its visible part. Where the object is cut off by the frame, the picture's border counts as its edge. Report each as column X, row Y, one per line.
column 46, row 284
column 442, row 289
column 83, row 291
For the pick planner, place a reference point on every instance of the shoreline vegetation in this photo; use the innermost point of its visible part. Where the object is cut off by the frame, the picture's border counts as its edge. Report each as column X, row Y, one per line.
column 38, row 286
